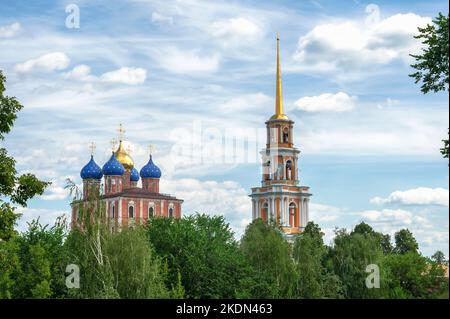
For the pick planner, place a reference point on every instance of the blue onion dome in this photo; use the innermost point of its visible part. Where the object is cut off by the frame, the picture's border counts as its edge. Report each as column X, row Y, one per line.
column 91, row 170
column 150, row 170
column 134, row 176
column 113, row 167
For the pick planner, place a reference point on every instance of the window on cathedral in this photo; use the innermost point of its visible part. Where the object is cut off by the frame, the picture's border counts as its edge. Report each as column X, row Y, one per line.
column 113, row 212
column 265, row 212
column 289, row 169
column 170, row 212
column 151, row 211
column 131, row 212
column 286, row 135
column 291, row 214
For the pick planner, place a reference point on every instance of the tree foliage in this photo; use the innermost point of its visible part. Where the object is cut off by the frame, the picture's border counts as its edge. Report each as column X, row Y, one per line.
column 270, row 256
column 314, row 280
column 14, row 188
column 432, row 64
column 201, row 251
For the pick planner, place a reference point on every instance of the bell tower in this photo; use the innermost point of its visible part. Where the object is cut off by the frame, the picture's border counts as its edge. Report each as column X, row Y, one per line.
column 280, row 198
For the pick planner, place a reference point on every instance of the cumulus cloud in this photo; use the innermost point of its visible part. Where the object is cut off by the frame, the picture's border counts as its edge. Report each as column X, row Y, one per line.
column 9, row 31
column 177, row 61
column 47, row 62
column 327, row 102
column 125, row 75
column 352, row 44
column 80, row 72
column 236, row 31
column 393, row 216
column 416, row 196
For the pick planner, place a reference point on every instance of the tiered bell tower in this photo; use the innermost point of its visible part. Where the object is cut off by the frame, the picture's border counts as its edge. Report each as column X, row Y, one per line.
column 280, row 198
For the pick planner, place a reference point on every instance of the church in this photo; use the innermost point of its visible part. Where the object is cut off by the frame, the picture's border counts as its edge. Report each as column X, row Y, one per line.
column 123, row 201
column 280, row 198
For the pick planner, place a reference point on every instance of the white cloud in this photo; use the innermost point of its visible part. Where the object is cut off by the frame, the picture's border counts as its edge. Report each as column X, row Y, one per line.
column 47, row 62
column 226, row 198
column 55, row 192
column 125, row 75
column 392, row 216
column 9, row 31
column 46, row 217
column 236, row 31
column 321, row 213
column 160, row 18
column 190, row 62
column 80, row 72
column 327, row 102
column 351, row 44
column 416, row 196
column 244, row 103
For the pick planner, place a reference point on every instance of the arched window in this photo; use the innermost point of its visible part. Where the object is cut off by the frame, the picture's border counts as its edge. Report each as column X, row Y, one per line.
column 151, row 212
column 131, row 212
column 285, row 135
column 170, row 212
column 289, row 169
column 113, row 211
column 291, row 214
column 265, row 212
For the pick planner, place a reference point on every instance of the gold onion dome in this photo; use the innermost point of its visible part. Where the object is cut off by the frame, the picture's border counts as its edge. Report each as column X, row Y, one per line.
column 124, row 158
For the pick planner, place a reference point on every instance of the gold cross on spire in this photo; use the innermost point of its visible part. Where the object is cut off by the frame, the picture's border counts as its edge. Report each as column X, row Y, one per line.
column 129, row 149
column 92, row 147
column 113, row 144
column 121, row 131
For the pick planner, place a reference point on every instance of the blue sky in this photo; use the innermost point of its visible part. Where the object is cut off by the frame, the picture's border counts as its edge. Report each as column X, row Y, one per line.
column 188, row 76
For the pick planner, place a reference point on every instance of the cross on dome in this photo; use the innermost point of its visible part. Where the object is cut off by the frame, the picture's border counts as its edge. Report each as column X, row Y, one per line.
column 113, row 144
column 121, row 131
column 92, row 148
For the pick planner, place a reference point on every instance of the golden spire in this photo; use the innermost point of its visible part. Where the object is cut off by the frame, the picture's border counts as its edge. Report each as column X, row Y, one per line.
column 123, row 156
column 279, row 115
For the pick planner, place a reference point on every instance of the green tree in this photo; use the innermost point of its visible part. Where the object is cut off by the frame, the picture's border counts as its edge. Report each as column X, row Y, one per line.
column 269, row 254
column 200, row 249
column 439, row 258
column 9, row 263
column 136, row 269
column 405, row 242
column 40, row 252
column 384, row 240
column 313, row 279
column 415, row 276
column 432, row 65
column 14, row 188
column 113, row 264
column 350, row 256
